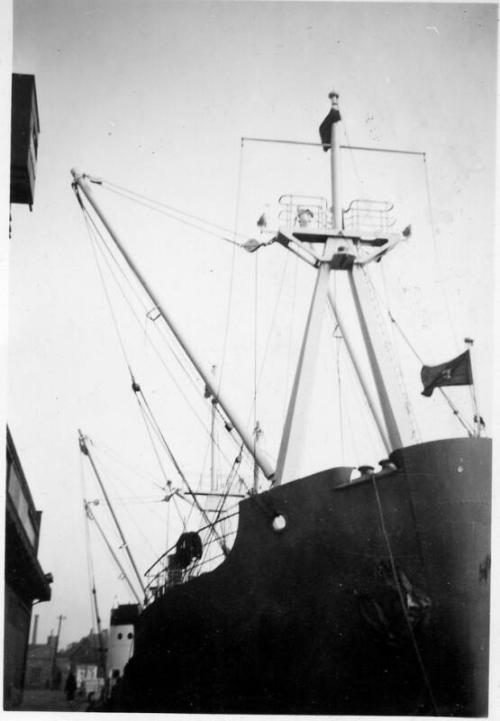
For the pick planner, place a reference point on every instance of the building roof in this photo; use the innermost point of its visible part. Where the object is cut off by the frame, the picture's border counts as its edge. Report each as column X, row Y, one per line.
column 22, row 568
column 40, row 652
column 87, row 650
column 125, row 614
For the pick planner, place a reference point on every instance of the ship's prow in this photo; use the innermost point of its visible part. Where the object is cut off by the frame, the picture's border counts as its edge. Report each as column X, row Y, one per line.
column 380, row 586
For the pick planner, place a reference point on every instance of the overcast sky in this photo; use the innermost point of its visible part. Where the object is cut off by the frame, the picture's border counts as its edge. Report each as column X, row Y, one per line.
column 155, row 96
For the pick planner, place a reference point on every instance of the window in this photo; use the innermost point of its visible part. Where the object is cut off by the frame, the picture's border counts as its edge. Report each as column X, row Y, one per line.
column 20, row 503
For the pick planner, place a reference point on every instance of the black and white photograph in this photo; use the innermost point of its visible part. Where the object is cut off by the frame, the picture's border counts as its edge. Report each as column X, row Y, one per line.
column 247, row 328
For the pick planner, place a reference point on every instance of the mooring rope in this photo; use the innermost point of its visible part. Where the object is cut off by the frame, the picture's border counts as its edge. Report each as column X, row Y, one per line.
column 416, row 648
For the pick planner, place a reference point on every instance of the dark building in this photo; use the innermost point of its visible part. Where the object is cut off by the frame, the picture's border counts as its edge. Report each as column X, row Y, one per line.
column 41, row 664
column 88, row 650
column 87, row 658
column 25, row 128
column 25, row 581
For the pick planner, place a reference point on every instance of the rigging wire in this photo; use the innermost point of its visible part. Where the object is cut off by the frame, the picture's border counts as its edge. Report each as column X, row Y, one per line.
column 123, row 574
column 148, row 431
column 153, row 345
column 345, row 422
column 109, row 301
column 171, row 456
column 339, row 384
column 134, row 497
column 150, row 204
column 228, row 485
column 229, row 304
column 194, row 384
column 99, row 644
column 436, row 254
column 167, row 530
column 257, row 378
column 130, row 195
column 191, row 379
column 419, row 358
column 386, row 305
column 352, row 156
column 105, row 289
column 227, row 423
column 239, row 184
column 290, row 334
column 89, row 552
column 90, row 569
column 148, row 477
column 404, row 609
column 273, row 319
column 172, row 548
column 339, row 387
column 131, row 501
column 140, row 301
column 125, row 355
column 255, row 361
column 93, row 591
column 118, row 483
column 217, row 520
column 179, row 513
column 397, row 366
column 151, row 420
column 452, row 406
column 89, row 221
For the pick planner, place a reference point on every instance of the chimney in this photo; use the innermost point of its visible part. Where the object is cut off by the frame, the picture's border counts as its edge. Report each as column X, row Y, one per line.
column 35, row 629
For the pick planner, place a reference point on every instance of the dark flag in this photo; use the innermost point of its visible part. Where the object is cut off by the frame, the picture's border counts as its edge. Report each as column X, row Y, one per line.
column 457, row 372
column 325, row 129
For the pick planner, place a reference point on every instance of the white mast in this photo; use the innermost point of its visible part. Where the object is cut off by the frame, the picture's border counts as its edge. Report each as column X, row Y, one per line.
column 295, row 423
column 335, row 166
column 399, row 426
column 296, row 418
column 265, row 466
column 341, row 252
column 85, row 450
column 91, row 517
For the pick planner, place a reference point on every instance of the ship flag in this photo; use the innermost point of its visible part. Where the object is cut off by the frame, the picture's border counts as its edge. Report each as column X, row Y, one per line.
column 325, row 129
column 456, row 372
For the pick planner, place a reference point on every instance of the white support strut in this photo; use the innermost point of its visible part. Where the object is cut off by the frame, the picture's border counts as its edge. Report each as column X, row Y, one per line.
column 293, row 431
column 368, row 396
column 395, row 409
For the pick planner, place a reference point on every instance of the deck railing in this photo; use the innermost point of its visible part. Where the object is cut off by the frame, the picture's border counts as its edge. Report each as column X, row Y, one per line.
column 369, row 216
column 301, row 210
column 217, row 540
column 373, row 217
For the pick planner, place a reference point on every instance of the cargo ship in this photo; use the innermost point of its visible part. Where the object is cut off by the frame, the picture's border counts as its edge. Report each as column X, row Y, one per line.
column 354, row 590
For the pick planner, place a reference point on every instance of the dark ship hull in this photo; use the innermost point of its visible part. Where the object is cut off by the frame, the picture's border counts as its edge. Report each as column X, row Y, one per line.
column 373, row 600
